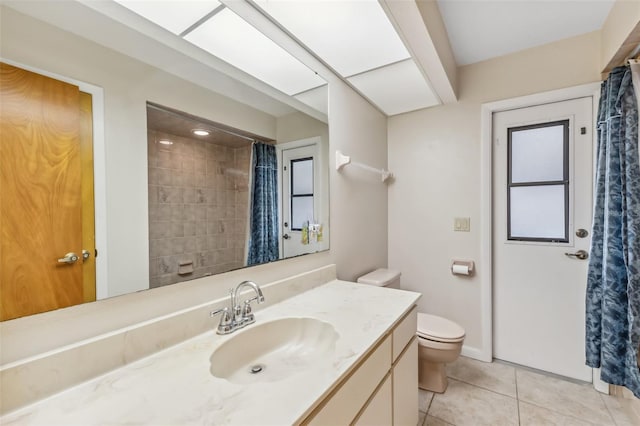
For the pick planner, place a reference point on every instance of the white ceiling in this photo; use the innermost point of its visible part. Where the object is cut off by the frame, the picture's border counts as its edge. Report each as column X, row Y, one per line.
column 484, row 29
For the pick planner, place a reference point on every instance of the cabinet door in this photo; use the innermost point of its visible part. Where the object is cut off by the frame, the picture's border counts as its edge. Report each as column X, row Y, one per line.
column 405, row 387
column 378, row 411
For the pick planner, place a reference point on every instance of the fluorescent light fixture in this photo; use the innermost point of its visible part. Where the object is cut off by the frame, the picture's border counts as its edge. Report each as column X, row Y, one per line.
column 173, row 15
column 200, row 132
column 233, row 40
column 351, row 36
column 396, row 88
column 165, row 142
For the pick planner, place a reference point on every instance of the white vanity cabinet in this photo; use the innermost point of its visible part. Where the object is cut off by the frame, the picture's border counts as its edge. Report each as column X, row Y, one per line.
column 383, row 389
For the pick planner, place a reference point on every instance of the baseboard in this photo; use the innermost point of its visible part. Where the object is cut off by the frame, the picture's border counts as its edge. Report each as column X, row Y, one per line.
column 475, row 353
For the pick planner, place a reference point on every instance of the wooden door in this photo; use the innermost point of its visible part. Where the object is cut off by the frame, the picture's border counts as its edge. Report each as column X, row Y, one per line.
column 41, row 196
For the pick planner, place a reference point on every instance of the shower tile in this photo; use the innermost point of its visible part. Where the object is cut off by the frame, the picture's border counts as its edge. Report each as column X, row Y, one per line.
column 189, row 229
column 571, row 399
column 532, row 415
column 177, row 178
column 153, row 195
column 189, row 195
column 153, row 174
column 177, row 229
column 463, row 404
column 493, row 376
column 189, row 244
column 177, row 212
column 177, row 245
column 164, row 177
column 159, row 229
column 160, row 212
column 200, row 177
column 189, row 213
column 166, row 265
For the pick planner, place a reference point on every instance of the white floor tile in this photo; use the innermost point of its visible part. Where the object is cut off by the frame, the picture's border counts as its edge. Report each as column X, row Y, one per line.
column 561, row 396
column 493, row 376
column 463, row 404
column 532, row 415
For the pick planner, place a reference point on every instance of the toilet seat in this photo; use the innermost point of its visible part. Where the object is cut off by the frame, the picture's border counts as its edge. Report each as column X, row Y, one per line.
column 438, row 329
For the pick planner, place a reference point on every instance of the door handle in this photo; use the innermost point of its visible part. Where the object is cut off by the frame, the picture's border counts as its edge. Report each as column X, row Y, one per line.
column 69, row 258
column 286, row 236
column 580, row 254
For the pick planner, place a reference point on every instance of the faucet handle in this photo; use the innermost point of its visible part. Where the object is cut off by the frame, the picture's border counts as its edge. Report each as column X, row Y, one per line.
column 247, row 314
column 225, row 325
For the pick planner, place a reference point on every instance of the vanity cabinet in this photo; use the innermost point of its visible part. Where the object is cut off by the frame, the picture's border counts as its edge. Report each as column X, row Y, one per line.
column 383, row 389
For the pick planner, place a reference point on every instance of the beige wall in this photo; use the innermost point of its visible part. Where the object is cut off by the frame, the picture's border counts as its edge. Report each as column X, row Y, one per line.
column 435, row 155
column 358, row 197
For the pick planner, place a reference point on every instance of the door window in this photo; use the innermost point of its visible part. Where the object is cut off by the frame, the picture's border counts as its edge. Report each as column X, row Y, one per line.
column 538, row 182
column 301, row 192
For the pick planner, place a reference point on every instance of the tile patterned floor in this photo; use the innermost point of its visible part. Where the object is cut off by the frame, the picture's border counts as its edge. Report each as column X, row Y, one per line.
column 498, row 394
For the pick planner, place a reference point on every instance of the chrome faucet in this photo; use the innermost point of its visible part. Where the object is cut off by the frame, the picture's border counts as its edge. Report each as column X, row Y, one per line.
column 238, row 316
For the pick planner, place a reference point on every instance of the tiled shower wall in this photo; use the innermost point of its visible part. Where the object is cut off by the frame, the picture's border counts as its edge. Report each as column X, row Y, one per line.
column 198, row 207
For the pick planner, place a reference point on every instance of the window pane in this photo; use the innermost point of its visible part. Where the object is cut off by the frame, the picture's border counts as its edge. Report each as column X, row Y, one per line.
column 301, row 211
column 538, row 212
column 537, row 155
column 302, row 177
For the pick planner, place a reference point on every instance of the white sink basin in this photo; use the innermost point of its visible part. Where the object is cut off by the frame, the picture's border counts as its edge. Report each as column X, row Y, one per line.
column 274, row 350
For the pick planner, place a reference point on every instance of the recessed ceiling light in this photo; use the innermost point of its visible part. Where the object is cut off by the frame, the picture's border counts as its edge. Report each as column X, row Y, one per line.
column 200, row 132
column 165, row 142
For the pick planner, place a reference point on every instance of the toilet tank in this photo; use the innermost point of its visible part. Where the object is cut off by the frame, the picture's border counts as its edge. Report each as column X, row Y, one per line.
column 382, row 278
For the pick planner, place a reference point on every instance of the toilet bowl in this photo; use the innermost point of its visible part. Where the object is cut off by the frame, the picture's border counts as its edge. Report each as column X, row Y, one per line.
column 439, row 343
column 439, row 339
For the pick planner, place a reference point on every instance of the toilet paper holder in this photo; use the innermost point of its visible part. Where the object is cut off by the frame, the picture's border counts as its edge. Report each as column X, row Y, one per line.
column 462, row 267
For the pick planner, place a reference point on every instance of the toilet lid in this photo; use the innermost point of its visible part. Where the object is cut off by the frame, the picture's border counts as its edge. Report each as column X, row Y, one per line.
column 433, row 327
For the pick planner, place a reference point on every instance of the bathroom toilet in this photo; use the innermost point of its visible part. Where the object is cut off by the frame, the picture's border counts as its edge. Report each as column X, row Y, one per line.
column 439, row 339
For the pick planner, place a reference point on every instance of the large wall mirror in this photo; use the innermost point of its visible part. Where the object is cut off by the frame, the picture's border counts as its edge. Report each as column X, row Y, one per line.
column 168, row 204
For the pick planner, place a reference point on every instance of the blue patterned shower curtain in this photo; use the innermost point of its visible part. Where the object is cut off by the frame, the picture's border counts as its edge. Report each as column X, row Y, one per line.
column 263, row 234
column 613, row 283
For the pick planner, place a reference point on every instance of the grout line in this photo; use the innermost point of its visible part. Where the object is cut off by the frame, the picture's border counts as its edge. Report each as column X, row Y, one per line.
column 483, row 388
column 613, row 419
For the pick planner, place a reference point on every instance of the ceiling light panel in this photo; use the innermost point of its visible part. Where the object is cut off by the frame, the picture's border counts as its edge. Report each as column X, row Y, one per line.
column 317, row 98
column 396, row 88
column 233, row 40
column 173, row 15
column 351, row 36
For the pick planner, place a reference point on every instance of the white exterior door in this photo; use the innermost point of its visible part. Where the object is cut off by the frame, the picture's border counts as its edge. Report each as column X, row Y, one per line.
column 542, row 200
column 300, row 200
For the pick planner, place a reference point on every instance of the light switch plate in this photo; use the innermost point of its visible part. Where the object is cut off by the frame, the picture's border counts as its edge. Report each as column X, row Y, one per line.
column 462, row 224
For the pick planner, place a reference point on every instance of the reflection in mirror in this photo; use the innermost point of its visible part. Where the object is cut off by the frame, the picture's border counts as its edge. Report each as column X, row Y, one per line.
column 199, row 196
column 124, row 70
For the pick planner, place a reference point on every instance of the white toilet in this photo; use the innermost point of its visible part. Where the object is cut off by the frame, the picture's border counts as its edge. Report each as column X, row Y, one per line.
column 439, row 339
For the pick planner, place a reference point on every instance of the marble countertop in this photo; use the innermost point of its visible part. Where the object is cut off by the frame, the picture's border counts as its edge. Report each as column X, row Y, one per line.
column 175, row 386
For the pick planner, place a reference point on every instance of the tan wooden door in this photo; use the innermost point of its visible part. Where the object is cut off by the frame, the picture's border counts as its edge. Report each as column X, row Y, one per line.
column 41, row 197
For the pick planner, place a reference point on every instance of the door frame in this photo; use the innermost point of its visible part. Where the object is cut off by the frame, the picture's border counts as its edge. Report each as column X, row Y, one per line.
column 485, row 266
column 99, row 169
column 301, row 143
